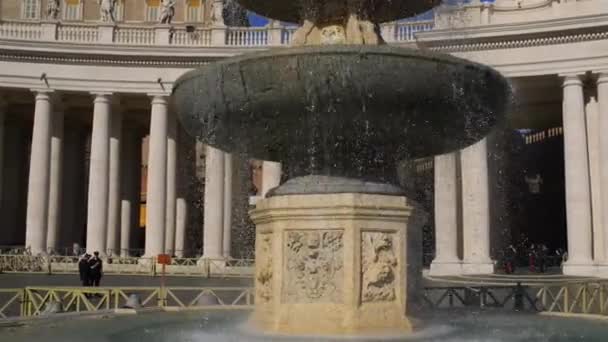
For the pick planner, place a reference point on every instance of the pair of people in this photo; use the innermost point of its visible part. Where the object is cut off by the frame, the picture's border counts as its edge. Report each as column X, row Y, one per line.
column 90, row 269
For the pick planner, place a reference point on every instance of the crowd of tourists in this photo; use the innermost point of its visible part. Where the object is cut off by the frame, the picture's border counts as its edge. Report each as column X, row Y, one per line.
column 90, row 268
column 537, row 257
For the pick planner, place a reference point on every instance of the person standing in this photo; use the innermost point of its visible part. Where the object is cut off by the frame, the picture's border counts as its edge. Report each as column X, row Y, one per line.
column 95, row 269
column 510, row 256
column 83, row 269
column 532, row 258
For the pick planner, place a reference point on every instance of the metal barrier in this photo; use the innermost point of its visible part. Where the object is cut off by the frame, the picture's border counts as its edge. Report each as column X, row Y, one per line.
column 575, row 298
column 35, row 301
column 116, row 265
column 11, row 303
column 511, row 297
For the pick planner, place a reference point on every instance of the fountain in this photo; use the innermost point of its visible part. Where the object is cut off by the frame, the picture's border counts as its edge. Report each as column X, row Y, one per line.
column 338, row 245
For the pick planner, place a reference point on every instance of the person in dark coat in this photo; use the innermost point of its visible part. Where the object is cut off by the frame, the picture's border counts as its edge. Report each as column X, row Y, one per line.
column 83, row 269
column 510, row 256
column 95, row 269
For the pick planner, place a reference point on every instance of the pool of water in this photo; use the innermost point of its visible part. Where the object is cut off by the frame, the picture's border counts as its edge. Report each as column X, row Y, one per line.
column 224, row 326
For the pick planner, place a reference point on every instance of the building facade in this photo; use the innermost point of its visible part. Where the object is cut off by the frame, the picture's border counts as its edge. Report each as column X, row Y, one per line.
column 83, row 82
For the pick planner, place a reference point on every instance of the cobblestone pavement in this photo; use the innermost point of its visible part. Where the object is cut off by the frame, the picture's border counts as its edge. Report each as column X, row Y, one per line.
column 23, row 280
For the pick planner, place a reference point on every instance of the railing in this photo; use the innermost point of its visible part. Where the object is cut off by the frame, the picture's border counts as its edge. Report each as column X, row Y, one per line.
column 247, row 36
column 510, row 297
column 406, row 31
column 36, row 301
column 127, row 34
column 78, row 33
column 589, row 298
column 21, row 30
column 117, row 265
column 11, row 303
column 134, row 35
column 197, row 37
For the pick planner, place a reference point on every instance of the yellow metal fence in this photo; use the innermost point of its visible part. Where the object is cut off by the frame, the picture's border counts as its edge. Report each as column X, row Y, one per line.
column 575, row 298
column 129, row 266
column 37, row 301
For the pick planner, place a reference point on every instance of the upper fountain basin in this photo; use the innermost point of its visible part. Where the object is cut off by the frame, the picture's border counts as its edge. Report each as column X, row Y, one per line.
column 296, row 11
column 341, row 110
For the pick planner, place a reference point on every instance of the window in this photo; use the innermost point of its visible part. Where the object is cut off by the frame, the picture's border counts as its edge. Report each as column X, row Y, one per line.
column 152, row 10
column 72, row 10
column 119, row 10
column 195, row 10
column 30, row 9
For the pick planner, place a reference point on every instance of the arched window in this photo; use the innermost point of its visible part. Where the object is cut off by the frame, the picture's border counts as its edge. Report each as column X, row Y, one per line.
column 152, row 10
column 195, row 10
column 72, row 9
column 30, row 9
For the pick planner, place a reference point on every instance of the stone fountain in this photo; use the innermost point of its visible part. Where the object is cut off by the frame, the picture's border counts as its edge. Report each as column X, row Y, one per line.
column 338, row 248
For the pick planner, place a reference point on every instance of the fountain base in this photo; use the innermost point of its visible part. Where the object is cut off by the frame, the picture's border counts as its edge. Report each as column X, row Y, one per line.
column 336, row 264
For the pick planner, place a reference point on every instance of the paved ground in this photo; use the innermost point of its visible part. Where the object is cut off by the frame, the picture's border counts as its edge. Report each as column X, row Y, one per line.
column 22, row 280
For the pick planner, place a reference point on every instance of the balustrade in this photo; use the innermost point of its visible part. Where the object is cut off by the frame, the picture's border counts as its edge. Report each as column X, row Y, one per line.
column 179, row 35
column 184, row 37
column 77, row 33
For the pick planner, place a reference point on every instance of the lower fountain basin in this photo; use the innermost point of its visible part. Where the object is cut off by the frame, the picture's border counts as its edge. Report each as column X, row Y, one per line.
column 350, row 111
column 224, row 326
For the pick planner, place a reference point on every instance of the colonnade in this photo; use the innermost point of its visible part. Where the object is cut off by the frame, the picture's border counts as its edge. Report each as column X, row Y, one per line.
column 585, row 116
column 462, row 215
column 462, row 212
column 113, row 177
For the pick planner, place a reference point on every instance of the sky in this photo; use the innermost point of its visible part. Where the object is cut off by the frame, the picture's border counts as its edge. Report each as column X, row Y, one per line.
column 257, row 20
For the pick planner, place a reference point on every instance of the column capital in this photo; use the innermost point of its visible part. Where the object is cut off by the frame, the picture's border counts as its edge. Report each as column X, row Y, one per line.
column 571, row 80
column 602, row 77
column 105, row 97
column 159, row 98
column 39, row 91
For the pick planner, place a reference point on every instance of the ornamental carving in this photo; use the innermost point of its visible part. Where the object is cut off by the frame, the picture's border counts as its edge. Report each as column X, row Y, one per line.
column 263, row 276
column 378, row 267
column 314, row 269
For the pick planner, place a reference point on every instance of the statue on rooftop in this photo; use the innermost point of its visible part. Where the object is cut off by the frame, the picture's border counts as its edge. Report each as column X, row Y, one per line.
column 52, row 9
column 167, row 11
column 106, row 10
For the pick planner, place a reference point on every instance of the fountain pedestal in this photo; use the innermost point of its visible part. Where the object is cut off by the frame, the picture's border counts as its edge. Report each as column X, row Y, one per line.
column 336, row 264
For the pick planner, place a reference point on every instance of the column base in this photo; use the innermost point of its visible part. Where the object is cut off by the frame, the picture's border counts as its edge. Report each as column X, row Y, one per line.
column 445, row 268
column 581, row 268
column 602, row 271
column 482, row 267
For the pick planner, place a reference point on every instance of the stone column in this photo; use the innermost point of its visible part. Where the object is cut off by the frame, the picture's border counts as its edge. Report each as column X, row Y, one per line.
column 602, row 112
column 3, row 106
column 97, row 212
column 476, row 209
column 55, row 179
column 114, row 201
column 38, row 184
column 130, row 183
column 157, row 178
column 446, row 260
column 578, row 196
column 171, row 185
column 271, row 176
column 227, row 205
column 181, row 221
column 213, row 221
column 593, row 145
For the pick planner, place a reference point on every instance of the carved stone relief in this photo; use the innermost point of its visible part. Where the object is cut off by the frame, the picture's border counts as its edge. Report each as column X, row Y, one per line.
column 378, row 267
column 263, row 275
column 314, row 266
